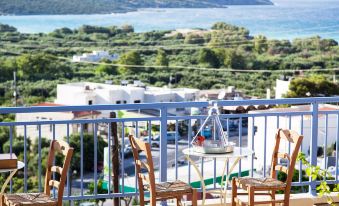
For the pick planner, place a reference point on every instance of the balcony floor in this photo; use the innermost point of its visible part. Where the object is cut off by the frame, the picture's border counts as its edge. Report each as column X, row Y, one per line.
column 301, row 199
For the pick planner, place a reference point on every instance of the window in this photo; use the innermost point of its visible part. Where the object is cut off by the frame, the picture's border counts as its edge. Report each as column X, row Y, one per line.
column 125, row 102
column 118, row 102
column 90, row 102
column 137, row 101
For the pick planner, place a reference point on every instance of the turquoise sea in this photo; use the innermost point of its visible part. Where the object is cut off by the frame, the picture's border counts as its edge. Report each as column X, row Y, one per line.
column 287, row 19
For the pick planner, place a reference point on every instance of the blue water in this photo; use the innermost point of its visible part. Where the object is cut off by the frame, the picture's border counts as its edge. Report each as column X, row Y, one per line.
column 287, row 19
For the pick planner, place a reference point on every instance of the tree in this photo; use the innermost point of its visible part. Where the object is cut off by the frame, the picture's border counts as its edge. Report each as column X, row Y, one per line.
column 127, row 28
column 260, row 44
column 161, row 58
column 130, row 58
column 208, row 57
column 312, row 86
column 7, row 28
column 4, row 136
column 88, row 149
column 40, row 66
column 194, row 39
column 223, row 26
column 106, row 68
column 233, row 60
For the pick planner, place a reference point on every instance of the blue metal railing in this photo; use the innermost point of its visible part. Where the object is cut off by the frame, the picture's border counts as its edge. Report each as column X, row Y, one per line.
column 162, row 120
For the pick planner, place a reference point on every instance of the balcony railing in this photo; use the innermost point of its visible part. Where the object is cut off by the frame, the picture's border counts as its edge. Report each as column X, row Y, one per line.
column 168, row 157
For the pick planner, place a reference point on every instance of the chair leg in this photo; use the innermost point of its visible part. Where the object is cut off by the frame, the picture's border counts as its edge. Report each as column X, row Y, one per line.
column 250, row 196
column 1, row 200
column 273, row 197
column 153, row 201
column 178, row 200
column 194, row 197
column 234, row 192
column 286, row 200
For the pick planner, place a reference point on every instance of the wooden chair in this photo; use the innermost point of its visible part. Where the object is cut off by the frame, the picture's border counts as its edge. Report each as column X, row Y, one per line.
column 258, row 186
column 158, row 191
column 44, row 199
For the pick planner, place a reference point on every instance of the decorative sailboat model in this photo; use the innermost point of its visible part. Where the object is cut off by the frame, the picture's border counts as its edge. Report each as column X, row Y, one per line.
column 219, row 142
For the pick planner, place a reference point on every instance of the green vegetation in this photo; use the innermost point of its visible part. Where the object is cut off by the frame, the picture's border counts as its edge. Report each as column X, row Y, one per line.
column 312, row 86
column 223, row 56
column 23, row 7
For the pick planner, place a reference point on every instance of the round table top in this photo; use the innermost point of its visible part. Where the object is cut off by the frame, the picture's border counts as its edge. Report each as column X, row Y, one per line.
column 20, row 166
column 237, row 152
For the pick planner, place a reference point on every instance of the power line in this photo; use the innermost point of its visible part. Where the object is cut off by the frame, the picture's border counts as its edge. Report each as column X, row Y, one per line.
column 198, row 68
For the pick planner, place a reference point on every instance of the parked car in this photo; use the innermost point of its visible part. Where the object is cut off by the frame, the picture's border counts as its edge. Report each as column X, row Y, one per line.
column 170, row 139
column 155, row 142
column 146, row 138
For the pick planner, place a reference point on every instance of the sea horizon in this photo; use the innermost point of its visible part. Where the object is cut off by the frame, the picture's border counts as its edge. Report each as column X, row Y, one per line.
column 283, row 20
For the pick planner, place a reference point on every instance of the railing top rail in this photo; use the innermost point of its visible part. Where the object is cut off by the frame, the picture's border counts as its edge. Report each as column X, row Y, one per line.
column 33, row 109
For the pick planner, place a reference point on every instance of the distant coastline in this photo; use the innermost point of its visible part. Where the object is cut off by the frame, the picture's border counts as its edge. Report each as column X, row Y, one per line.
column 87, row 7
column 303, row 19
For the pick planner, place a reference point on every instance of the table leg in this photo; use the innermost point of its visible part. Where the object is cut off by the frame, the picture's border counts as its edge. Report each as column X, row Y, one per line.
column 228, row 176
column 3, row 188
column 203, row 187
column 222, row 180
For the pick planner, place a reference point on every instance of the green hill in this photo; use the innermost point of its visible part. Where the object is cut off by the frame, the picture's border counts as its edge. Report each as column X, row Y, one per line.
column 32, row 7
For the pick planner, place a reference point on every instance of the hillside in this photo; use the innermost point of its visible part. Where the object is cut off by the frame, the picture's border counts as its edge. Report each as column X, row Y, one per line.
column 35, row 7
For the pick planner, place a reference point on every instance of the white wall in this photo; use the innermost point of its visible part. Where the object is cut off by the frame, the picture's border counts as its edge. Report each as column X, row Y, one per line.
column 281, row 88
column 46, row 130
column 74, row 95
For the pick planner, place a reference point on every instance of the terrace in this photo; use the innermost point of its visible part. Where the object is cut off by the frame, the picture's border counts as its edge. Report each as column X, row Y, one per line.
column 170, row 163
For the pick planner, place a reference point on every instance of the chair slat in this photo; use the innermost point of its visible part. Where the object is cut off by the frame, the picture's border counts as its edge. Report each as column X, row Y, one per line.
column 61, row 146
column 144, row 177
column 281, row 168
column 284, row 156
column 143, row 164
column 56, row 169
column 54, row 183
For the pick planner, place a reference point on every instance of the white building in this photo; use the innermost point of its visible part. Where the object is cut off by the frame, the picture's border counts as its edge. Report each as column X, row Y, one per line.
column 87, row 93
column 281, row 87
column 222, row 94
column 32, row 131
column 95, row 56
column 297, row 124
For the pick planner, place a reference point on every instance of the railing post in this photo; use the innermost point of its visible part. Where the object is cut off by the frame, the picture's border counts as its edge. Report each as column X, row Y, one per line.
column 163, row 145
column 314, row 145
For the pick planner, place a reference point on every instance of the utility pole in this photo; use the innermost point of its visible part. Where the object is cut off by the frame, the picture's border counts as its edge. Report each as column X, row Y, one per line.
column 115, row 158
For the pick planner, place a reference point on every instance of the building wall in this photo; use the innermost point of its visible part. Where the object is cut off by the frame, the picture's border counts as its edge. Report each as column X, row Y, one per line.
column 32, row 131
column 69, row 95
column 82, row 93
column 281, row 88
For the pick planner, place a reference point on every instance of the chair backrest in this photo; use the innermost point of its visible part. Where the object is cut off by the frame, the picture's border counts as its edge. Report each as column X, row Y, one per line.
column 148, row 174
column 294, row 139
column 67, row 151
